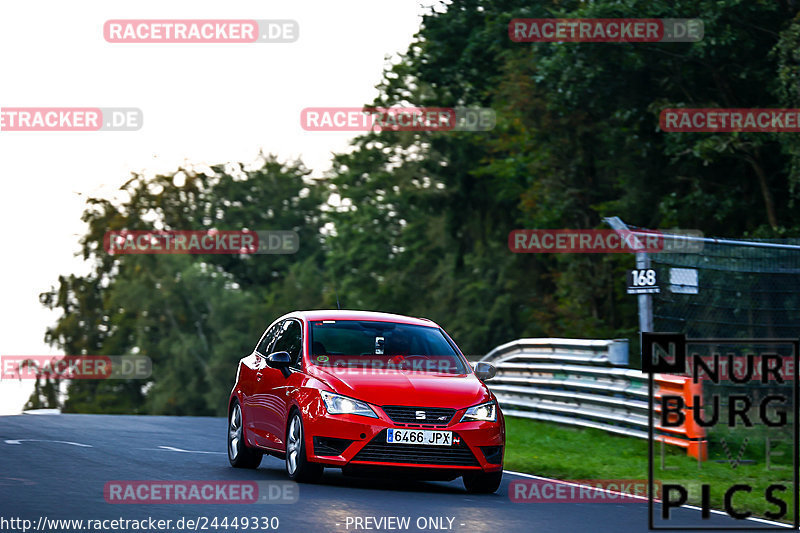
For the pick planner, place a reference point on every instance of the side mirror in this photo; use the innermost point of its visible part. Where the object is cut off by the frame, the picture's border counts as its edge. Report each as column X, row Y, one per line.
column 279, row 360
column 484, row 371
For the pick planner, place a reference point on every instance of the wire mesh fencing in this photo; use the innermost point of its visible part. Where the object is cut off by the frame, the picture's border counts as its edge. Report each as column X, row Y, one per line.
column 731, row 289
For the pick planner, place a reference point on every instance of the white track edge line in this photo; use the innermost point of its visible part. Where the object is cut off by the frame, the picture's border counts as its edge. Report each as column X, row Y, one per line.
column 715, row 511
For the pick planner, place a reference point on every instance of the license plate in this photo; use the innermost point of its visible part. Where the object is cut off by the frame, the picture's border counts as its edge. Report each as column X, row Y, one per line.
column 419, row 436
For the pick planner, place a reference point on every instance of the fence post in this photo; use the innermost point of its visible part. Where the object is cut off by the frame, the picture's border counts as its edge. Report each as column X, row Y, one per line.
column 642, row 262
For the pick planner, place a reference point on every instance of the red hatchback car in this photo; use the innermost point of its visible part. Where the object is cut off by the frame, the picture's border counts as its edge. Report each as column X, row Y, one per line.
column 366, row 392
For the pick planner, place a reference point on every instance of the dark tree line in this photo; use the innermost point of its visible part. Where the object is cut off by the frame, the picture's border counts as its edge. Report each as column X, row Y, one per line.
column 417, row 222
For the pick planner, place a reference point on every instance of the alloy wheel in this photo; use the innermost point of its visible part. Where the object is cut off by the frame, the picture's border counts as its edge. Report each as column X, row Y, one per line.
column 293, row 444
column 235, row 432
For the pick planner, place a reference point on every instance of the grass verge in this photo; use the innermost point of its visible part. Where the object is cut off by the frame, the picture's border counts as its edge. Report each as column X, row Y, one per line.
column 561, row 452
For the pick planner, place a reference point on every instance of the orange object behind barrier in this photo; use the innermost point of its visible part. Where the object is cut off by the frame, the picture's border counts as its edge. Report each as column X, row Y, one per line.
column 689, row 434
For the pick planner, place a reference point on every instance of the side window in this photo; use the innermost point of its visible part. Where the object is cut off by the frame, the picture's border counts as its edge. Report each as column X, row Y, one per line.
column 291, row 341
column 269, row 336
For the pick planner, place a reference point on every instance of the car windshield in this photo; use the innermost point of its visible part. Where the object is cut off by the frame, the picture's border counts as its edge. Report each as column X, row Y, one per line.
column 383, row 345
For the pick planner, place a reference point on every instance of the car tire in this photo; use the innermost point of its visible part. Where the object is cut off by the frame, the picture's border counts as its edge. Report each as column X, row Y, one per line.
column 240, row 455
column 298, row 468
column 481, row 483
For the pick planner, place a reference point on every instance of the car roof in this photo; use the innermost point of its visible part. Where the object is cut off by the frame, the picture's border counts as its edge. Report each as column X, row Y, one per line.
column 344, row 314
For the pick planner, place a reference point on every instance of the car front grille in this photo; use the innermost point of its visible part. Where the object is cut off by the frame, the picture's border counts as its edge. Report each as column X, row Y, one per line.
column 378, row 450
column 433, row 416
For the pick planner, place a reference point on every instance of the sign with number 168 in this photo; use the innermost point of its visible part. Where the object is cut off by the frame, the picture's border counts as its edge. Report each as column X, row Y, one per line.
column 642, row 281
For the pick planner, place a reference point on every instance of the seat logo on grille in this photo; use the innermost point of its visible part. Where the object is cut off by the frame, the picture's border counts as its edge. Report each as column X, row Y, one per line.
column 420, row 415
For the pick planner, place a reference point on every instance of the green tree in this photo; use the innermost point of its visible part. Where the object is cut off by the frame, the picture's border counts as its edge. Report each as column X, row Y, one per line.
column 193, row 315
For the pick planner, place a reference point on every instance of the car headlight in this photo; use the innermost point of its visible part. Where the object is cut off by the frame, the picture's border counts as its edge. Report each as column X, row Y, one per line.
column 342, row 405
column 486, row 412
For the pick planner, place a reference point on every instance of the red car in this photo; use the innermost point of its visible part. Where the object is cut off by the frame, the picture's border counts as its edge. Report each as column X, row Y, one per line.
column 368, row 393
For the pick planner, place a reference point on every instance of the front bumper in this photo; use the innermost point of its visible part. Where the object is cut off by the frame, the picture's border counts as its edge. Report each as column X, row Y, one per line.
column 357, row 441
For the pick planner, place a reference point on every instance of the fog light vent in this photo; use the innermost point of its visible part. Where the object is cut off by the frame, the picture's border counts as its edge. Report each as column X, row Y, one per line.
column 493, row 454
column 330, row 445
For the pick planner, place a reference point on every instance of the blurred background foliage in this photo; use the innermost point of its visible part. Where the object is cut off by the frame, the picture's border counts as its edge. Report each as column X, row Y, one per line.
column 417, row 222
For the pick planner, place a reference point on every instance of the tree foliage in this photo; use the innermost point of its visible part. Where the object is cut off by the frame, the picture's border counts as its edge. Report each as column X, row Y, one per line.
column 417, row 222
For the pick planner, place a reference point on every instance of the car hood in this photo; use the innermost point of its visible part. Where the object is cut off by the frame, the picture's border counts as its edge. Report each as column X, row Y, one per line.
column 403, row 387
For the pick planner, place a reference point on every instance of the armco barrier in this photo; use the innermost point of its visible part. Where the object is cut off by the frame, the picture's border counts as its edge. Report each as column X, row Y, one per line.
column 576, row 382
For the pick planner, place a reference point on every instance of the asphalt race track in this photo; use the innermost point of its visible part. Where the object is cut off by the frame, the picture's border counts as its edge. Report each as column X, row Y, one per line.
column 65, row 480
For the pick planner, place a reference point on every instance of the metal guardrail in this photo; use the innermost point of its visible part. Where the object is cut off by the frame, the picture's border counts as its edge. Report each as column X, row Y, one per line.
column 580, row 382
